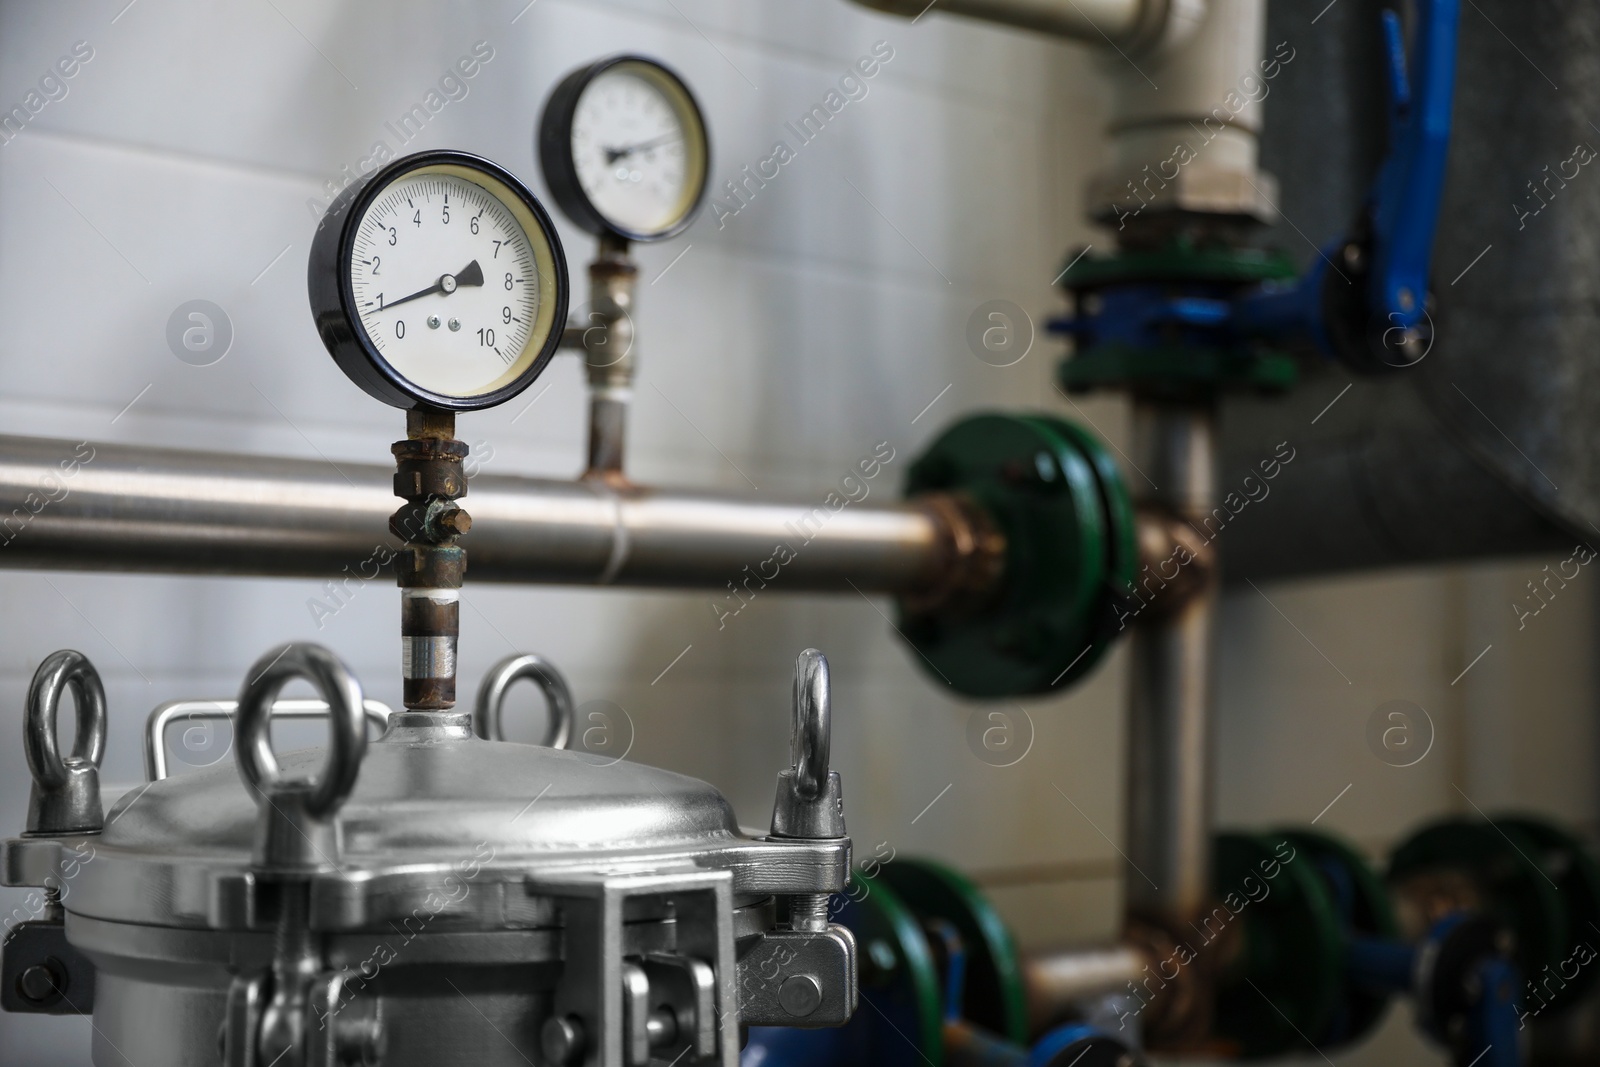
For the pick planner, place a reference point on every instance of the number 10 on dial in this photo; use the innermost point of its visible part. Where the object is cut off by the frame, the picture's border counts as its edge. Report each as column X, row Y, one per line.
column 439, row 282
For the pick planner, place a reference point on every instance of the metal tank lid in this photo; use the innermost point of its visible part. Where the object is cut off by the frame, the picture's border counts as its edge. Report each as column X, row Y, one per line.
column 432, row 808
column 436, row 794
column 381, row 831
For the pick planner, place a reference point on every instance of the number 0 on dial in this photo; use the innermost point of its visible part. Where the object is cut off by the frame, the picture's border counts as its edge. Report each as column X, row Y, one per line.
column 439, row 282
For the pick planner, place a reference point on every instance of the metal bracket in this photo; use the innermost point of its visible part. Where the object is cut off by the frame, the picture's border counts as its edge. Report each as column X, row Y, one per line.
column 43, row 974
column 605, row 1001
column 798, row 978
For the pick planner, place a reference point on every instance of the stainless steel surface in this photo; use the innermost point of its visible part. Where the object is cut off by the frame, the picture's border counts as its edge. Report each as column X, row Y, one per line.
column 812, row 730
column 143, row 509
column 488, row 713
column 1169, row 793
column 799, row 978
column 186, row 711
column 1124, row 24
column 1057, row 982
column 65, row 798
column 312, row 932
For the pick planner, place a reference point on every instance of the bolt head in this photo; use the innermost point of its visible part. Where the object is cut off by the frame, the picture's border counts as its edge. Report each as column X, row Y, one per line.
column 561, row 1039
column 39, row 983
column 433, row 322
column 456, row 521
column 455, row 324
column 800, row 995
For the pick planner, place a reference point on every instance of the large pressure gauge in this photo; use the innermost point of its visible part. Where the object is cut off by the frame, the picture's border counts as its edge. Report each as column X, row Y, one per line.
column 624, row 149
column 439, row 282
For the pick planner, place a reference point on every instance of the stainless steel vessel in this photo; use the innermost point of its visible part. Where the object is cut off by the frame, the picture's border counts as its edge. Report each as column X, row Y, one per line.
column 429, row 898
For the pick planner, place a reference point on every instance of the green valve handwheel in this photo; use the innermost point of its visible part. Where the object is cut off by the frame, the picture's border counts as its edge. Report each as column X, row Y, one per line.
column 1286, row 978
column 1122, row 544
column 993, row 996
column 1569, row 863
column 1496, row 868
column 1063, row 510
column 901, row 1019
column 1362, row 902
column 1537, row 878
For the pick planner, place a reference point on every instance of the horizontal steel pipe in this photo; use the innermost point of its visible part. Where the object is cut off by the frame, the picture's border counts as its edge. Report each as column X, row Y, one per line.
column 81, row 506
column 1125, row 24
column 1057, row 983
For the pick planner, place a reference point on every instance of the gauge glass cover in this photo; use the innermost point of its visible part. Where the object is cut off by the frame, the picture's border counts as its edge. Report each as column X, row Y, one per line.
column 631, row 148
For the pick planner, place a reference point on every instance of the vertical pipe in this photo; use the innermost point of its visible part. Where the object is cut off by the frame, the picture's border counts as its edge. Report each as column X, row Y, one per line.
column 430, row 567
column 1169, row 809
column 609, row 356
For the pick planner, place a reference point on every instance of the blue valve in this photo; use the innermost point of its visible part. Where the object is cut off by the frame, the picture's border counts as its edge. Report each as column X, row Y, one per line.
column 1365, row 298
column 1463, row 980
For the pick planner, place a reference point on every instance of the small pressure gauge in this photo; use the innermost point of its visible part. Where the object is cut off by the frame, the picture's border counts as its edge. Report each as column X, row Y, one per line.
column 439, row 282
column 624, row 149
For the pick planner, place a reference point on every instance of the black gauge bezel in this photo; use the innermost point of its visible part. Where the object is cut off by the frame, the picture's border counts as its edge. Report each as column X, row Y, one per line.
column 333, row 302
column 554, row 147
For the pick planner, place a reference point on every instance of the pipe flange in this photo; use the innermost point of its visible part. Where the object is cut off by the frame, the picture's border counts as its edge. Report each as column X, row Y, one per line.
column 1054, row 496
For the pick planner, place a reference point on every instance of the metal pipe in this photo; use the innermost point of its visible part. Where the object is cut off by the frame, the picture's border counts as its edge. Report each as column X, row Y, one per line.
column 1056, row 982
column 1168, row 880
column 610, row 356
column 80, row 506
column 1126, row 24
column 1187, row 156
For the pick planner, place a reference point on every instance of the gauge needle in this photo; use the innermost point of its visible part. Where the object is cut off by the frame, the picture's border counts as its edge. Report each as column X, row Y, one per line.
column 471, row 274
column 614, row 154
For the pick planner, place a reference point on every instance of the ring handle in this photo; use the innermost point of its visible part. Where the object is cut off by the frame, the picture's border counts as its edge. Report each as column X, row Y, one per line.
column 65, row 798
column 59, row 672
column 812, row 736
column 347, row 732
column 488, row 714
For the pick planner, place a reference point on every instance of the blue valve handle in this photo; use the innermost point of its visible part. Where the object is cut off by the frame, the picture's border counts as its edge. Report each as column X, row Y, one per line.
column 1395, row 238
column 1496, row 1023
column 1484, row 978
column 1410, row 185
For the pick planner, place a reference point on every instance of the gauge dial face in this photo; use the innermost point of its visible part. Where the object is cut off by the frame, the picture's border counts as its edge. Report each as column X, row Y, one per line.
column 439, row 282
column 634, row 145
column 446, row 283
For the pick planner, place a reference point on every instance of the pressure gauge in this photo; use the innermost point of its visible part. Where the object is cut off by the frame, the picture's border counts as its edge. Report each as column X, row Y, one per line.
column 439, row 282
column 624, row 149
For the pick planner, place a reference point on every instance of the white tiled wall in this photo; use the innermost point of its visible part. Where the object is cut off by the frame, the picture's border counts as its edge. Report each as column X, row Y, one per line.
column 821, row 319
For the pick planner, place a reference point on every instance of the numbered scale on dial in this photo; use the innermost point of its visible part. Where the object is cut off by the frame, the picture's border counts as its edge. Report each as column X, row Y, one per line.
column 439, row 282
column 624, row 149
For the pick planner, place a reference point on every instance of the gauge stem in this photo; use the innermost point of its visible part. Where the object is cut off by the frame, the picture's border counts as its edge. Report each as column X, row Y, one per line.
column 610, row 356
column 430, row 478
